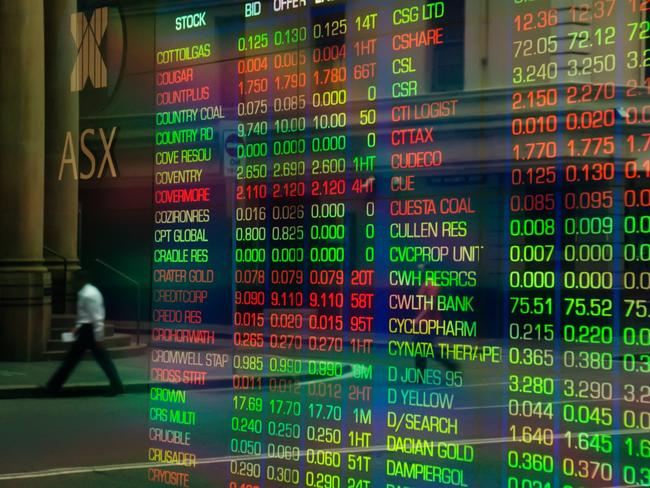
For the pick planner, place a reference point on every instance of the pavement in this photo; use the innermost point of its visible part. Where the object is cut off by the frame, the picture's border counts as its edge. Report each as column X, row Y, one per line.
column 27, row 379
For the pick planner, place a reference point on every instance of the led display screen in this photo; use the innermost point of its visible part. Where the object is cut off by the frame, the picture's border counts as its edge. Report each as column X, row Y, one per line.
column 414, row 234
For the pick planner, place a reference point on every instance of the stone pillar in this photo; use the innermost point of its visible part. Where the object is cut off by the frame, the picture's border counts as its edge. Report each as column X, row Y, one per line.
column 61, row 117
column 24, row 281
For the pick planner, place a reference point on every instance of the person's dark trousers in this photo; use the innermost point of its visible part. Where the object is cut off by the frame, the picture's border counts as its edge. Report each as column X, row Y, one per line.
column 85, row 340
column 421, row 363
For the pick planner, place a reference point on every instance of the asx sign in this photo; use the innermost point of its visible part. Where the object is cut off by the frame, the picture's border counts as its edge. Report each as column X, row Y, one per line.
column 99, row 35
column 88, row 35
column 89, row 169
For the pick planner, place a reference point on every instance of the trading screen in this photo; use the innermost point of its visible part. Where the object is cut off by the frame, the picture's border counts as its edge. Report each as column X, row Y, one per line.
column 415, row 232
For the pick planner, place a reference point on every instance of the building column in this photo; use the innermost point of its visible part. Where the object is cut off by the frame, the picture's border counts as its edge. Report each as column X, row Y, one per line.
column 25, row 300
column 61, row 188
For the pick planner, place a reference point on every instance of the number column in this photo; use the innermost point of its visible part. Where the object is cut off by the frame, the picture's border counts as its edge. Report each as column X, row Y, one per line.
column 589, row 247
column 251, row 258
column 532, row 250
column 328, row 209
column 362, row 77
column 634, row 229
column 286, row 313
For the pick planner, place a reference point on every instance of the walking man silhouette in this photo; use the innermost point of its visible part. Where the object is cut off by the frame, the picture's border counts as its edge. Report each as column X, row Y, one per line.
column 89, row 333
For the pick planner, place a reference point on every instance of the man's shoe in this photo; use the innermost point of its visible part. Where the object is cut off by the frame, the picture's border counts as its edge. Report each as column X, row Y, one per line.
column 449, row 364
column 115, row 390
column 49, row 391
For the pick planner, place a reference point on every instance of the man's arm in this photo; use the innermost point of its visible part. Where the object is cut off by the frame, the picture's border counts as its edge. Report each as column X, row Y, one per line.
column 97, row 314
column 81, row 308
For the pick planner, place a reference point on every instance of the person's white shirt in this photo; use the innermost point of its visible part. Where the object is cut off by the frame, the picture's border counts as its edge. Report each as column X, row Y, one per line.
column 90, row 309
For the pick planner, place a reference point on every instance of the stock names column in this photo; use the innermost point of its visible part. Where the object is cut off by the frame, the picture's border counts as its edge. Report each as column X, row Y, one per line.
column 433, row 256
column 182, row 339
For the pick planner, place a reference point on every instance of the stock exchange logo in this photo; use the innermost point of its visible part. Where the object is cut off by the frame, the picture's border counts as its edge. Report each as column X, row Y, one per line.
column 99, row 39
column 88, row 37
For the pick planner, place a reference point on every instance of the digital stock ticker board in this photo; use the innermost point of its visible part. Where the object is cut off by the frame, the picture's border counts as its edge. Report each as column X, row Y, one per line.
column 414, row 233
